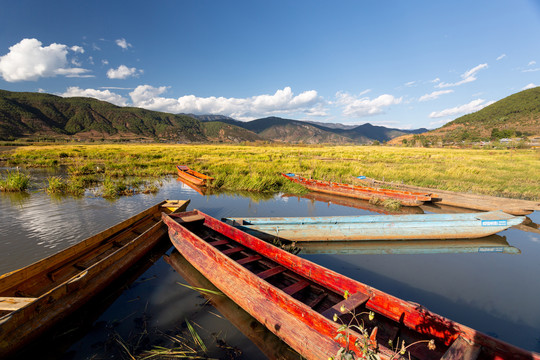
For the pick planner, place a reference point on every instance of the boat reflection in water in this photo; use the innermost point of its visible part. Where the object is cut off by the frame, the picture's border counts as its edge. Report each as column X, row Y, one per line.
column 202, row 190
column 264, row 339
column 488, row 244
column 354, row 203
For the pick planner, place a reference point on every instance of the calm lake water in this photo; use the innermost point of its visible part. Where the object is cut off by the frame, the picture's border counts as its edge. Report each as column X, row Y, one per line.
column 475, row 284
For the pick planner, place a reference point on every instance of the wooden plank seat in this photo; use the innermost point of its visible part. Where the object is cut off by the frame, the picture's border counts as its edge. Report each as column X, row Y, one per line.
column 271, row 272
column 219, row 242
column 248, row 259
column 14, row 303
column 351, row 303
column 296, row 287
column 318, row 300
column 233, row 250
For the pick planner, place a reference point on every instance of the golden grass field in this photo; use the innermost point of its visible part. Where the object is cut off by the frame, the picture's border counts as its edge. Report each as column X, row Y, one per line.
column 508, row 173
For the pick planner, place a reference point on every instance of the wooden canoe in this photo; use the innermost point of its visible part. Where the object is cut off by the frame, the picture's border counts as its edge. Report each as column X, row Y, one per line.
column 487, row 245
column 34, row 298
column 194, row 177
column 272, row 346
column 297, row 299
column 406, row 198
column 466, row 200
column 378, row 227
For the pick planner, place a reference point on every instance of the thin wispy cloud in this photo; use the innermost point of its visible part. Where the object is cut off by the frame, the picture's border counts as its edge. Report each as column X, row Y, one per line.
column 466, row 77
column 28, row 60
column 357, row 106
column 471, row 107
column 500, row 57
column 434, row 95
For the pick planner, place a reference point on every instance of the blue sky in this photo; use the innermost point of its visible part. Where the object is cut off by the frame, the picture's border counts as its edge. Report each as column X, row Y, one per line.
column 402, row 64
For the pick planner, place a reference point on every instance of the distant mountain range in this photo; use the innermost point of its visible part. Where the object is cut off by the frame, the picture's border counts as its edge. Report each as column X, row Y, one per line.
column 43, row 116
column 310, row 132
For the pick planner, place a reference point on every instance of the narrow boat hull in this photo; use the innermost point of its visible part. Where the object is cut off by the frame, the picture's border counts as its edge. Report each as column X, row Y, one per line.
column 192, row 176
column 272, row 347
column 379, row 227
column 58, row 285
column 405, row 198
column 228, row 258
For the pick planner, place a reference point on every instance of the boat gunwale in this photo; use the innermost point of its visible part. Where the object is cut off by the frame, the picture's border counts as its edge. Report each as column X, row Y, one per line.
column 35, row 317
column 409, row 314
column 377, row 227
column 85, row 245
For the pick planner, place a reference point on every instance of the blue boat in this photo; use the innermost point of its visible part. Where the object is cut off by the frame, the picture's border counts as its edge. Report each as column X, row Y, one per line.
column 378, row 227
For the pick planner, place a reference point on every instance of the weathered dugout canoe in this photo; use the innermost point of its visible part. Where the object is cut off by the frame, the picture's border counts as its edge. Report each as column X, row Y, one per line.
column 486, row 245
column 193, row 176
column 297, row 299
column 378, row 227
column 405, row 198
column 264, row 339
column 34, row 298
column 469, row 201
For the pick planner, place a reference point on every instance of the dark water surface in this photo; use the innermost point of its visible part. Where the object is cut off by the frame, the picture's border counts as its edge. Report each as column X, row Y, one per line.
column 496, row 293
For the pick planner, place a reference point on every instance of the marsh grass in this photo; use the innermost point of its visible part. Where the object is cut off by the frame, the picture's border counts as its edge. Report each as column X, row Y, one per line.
column 508, row 173
column 57, row 185
column 14, row 181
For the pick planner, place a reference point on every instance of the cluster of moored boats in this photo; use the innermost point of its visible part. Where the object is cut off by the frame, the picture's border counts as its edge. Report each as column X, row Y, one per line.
column 301, row 302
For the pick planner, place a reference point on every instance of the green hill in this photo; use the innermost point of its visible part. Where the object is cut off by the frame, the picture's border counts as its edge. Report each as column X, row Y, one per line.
column 44, row 115
column 517, row 115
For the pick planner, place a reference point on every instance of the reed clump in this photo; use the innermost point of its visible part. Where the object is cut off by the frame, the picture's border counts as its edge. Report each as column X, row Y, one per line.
column 14, row 181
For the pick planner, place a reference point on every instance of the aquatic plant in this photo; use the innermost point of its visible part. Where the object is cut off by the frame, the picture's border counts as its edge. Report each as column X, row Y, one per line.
column 15, row 181
column 56, row 185
column 513, row 174
column 366, row 344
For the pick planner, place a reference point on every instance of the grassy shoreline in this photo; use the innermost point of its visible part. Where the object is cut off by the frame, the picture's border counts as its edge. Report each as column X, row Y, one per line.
column 508, row 173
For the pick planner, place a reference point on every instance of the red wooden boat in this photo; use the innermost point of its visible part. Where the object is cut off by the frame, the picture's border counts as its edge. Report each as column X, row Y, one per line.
column 193, row 176
column 298, row 300
column 406, row 198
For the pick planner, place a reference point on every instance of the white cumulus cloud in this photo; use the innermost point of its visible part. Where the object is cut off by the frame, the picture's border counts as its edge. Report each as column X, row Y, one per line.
column 123, row 72
column 356, row 106
column 104, row 95
column 281, row 102
column 77, row 49
column 467, row 77
column 123, row 43
column 434, row 95
column 29, row 60
column 530, row 86
column 471, row 107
